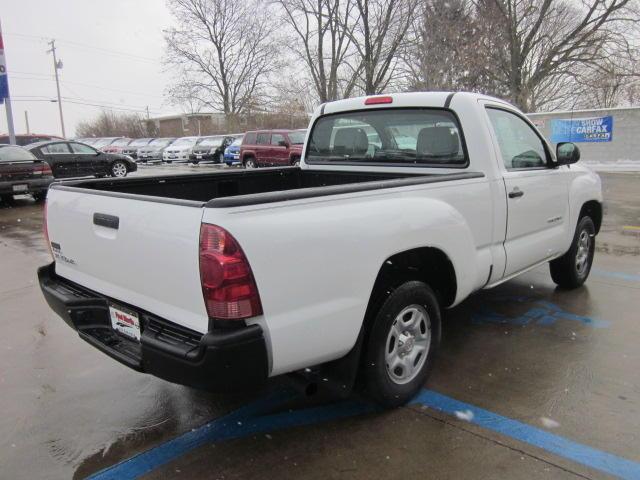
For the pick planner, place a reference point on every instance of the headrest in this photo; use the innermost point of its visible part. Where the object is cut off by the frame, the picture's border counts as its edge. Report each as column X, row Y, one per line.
column 439, row 141
column 351, row 141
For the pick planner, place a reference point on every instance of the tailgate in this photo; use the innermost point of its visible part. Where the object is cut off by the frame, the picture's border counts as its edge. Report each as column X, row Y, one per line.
column 140, row 253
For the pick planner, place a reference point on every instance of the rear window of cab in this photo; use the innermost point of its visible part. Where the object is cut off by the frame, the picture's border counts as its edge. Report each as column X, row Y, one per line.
column 390, row 136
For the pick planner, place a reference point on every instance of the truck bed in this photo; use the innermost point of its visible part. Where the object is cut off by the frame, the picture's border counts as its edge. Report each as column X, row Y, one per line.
column 223, row 189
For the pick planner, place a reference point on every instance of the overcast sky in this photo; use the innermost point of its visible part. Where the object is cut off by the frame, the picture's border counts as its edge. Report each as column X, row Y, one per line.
column 111, row 51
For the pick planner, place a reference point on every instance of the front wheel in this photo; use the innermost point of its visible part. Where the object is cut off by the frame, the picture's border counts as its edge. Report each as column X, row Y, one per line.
column 401, row 344
column 250, row 163
column 118, row 169
column 295, row 162
column 572, row 269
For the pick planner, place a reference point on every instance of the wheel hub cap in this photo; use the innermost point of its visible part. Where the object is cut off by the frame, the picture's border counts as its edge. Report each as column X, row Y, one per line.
column 408, row 343
column 582, row 254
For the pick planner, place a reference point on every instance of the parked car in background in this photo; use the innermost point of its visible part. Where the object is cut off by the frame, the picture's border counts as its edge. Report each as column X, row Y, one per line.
column 180, row 150
column 75, row 159
column 153, row 151
column 103, row 142
column 21, row 172
column 232, row 152
column 134, row 145
column 211, row 148
column 269, row 148
column 117, row 146
column 23, row 140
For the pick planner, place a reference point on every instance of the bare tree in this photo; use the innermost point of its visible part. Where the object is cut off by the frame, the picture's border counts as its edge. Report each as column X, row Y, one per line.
column 547, row 41
column 379, row 32
column 186, row 94
column 321, row 39
column 442, row 51
column 225, row 49
column 111, row 124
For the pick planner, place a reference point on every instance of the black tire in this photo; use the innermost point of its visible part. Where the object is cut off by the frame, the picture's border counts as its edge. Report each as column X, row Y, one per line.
column 250, row 163
column 295, row 161
column 40, row 196
column 220, row 158
column 6, row 199
column 569, row 271
column 379, row 381
column 119, row 169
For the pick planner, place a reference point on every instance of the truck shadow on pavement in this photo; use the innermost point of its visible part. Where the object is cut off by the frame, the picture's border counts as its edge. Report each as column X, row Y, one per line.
column 493, row 343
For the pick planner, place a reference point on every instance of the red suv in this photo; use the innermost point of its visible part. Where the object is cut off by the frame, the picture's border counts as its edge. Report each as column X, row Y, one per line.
column 269, row 148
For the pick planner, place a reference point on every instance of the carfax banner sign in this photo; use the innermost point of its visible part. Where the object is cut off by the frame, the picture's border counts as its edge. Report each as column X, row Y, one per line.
column 595, row 129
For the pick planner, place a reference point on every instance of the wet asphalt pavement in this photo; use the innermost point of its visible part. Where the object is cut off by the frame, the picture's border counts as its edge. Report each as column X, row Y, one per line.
column 530, row 382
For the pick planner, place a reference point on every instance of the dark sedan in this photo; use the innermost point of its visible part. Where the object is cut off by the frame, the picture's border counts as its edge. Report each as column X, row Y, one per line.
column 211, row 148
column 21, row 172
column 75, row 159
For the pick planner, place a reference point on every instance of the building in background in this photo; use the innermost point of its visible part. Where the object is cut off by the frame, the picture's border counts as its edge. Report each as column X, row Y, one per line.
column 605, row 136
column 212, row 123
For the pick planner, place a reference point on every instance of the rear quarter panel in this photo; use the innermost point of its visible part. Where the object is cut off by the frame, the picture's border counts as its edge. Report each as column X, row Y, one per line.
column 315, row 261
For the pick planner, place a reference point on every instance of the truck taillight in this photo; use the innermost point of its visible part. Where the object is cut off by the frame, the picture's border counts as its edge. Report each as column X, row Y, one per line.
column 45, row 229
column 228, row 286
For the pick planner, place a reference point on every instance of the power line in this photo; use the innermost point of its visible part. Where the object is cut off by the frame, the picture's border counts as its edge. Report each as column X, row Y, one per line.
column 88, row 47
column 51, row 79
column 110, row 107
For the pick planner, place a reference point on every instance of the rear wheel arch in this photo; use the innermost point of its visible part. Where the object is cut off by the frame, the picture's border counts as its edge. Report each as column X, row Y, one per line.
column 429, row 265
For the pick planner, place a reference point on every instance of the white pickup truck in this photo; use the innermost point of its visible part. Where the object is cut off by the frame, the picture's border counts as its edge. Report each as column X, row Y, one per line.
column 402, row 206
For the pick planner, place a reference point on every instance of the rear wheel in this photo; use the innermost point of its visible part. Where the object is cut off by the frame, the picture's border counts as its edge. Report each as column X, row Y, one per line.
column 401, row 344
column 118, row 169
column 295, row 161
column 572, row 269
column 250, row 163
column 6, row 199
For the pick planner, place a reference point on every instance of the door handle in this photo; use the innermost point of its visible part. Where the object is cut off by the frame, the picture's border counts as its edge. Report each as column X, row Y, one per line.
column 108, row 221
column 515, row 193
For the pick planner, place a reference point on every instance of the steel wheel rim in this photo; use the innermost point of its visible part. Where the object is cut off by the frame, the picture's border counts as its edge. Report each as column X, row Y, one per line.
column 408, row 343
column 249, row 164
column 119, row 170
column 582, row 254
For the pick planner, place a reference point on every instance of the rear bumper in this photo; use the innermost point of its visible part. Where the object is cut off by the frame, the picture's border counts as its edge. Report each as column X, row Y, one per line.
column 218, row 361
column 33, row 186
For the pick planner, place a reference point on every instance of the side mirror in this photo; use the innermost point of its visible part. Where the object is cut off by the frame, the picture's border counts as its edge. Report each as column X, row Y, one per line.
column 567, row 153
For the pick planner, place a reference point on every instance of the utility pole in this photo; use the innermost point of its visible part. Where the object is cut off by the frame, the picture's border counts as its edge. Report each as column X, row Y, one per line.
column 4, row 92
column 26, row 121
column 57, row 65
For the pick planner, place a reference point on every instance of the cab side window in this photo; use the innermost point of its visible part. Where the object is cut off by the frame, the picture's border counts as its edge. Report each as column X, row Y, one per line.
column 520, row 146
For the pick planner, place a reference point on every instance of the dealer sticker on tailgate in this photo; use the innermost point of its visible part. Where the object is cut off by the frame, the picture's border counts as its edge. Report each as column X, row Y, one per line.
column 125, row 321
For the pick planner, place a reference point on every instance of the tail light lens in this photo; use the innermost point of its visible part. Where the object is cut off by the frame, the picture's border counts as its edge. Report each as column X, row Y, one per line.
column 228, row 286
column 45, row 229
column 42, row 169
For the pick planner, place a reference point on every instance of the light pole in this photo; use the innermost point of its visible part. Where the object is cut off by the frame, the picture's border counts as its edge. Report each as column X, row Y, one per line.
column 57, row 65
